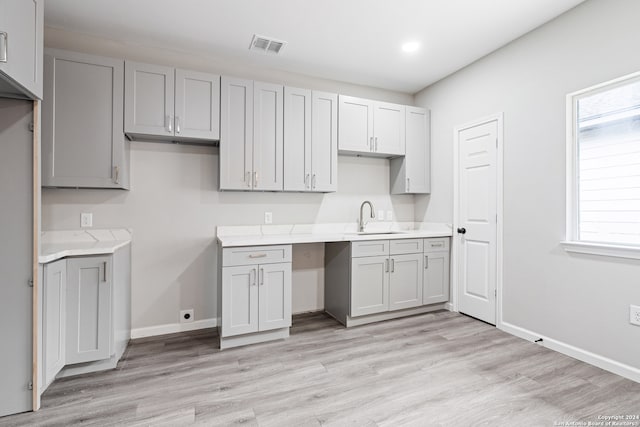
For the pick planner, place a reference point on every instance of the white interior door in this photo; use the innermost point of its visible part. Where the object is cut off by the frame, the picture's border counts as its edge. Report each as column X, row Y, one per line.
column 477, row 220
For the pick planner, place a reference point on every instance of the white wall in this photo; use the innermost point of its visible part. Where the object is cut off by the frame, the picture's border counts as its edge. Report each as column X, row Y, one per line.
column 579, row 300
column 174, row 206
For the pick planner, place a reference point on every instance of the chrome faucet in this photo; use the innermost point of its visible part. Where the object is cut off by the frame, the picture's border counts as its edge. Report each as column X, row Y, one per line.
column 361, row 224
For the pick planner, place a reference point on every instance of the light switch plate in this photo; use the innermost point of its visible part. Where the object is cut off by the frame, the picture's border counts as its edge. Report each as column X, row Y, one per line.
column 268, row 217
column 86, row 220
column 634, row 315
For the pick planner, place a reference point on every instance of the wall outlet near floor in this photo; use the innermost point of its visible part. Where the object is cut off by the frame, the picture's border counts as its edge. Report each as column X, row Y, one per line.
column 634, row 315
column 268, row 217
column 186, row 316
column 86, row 220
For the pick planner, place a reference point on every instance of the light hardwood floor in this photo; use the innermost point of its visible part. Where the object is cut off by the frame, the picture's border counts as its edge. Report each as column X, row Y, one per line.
column 436, row 369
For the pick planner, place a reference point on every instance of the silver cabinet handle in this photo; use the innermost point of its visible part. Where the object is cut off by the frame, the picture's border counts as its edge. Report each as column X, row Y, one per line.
column 255, row 179
column 258, row 256
column 306, row 181
column 168, row 124
column 253, row 281
column 313, row 182
column 261, row 276
column 104, row 271
column 436, row 245
column 426, row 262
column 177, row 124
column 116, row 172
column 371, row 144
column 376, row 149
column 247, row 179
column 393, row 265
column 4, row 46
column 408, row 184
column 386, row 265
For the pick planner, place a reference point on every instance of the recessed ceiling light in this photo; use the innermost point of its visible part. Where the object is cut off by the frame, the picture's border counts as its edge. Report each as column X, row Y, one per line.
column 410, row 47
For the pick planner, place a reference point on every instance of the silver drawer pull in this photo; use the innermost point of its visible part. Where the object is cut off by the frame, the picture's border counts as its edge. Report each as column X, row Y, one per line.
column 4, row 42
column 436, row 245
column 258, row 256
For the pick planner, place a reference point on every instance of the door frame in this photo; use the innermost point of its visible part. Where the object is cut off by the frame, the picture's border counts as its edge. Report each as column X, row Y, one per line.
column 455, row 245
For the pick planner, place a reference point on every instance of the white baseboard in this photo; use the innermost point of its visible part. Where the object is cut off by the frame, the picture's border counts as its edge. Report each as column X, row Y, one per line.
column 172, row 328
column 448, row 306
column 577, row 353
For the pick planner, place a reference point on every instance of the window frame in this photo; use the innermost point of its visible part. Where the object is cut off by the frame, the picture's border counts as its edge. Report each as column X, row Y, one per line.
column 572, row 243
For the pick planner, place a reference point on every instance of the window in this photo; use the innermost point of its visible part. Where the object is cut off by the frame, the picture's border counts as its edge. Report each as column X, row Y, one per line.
column 603, row 159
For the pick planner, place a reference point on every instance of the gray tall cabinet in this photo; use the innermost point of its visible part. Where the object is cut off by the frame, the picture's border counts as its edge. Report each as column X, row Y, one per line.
column 16, row 255
column 83, row 144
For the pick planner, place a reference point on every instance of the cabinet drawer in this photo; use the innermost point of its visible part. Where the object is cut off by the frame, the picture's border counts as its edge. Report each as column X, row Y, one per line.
column 256, row 255
column 406, row 246
column 436, row 245
column 369, row 248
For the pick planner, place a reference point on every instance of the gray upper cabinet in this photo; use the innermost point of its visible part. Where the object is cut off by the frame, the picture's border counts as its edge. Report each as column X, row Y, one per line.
column 88, row 309
column 251, row 135
column 411, row 174
column 21, row 44
column 164, row 103
column 371, row 128
column 310, row 140
column 83, row 145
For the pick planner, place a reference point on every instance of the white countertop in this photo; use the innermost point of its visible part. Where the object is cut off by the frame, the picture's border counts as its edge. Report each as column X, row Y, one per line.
column 233, row 236
column 59, row 244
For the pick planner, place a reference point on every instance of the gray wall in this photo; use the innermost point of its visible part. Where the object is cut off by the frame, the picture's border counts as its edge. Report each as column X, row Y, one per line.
column 174, row 206
column 579, row 300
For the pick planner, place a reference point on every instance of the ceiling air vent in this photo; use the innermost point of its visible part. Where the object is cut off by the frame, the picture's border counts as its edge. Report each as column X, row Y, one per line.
column 266, row 44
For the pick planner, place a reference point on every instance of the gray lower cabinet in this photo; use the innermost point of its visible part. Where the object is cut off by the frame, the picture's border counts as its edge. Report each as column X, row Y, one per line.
column 54, row 313
column 83, row 144
column 374, row 280
column 436, row 271
column 165, row 103
column 21, row 44
column 85, row 314
column 255, row 294
column 88, row 308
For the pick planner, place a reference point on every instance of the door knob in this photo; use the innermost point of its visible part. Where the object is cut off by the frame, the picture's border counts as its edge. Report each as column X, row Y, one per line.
column 462, row 230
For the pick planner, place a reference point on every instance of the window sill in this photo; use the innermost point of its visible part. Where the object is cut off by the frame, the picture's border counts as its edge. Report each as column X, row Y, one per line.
column 603, row 249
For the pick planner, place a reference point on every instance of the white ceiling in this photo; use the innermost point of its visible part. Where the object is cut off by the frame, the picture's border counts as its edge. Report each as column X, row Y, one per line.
column 357, row 41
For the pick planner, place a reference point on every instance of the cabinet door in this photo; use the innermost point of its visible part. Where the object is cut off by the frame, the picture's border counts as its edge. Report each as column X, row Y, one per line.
column 54, row 318
column 21, row 44
column 418, row 153
column 436, row 277
column 355, row 126
column 324, row 142
column 405, row 281
column 275, row 296
column 267, row 137
column 369, row 285
column 297, row 139
column 239, row 300
column 88, row 309
column 148, row 99
column 16, row 250
column 82, row 140
column 389, row 129
column 197, row 106
column 236, row 134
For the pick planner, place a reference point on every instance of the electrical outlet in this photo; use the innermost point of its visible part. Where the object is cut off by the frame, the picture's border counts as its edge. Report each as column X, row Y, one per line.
column 86, row 220
column 634, row 315
column 389, row 215
column 380, row 215
column 186, row 316
column 268, row 217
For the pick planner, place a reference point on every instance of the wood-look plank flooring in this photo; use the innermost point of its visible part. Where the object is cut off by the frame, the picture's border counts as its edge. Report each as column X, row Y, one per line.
column 435, row 369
